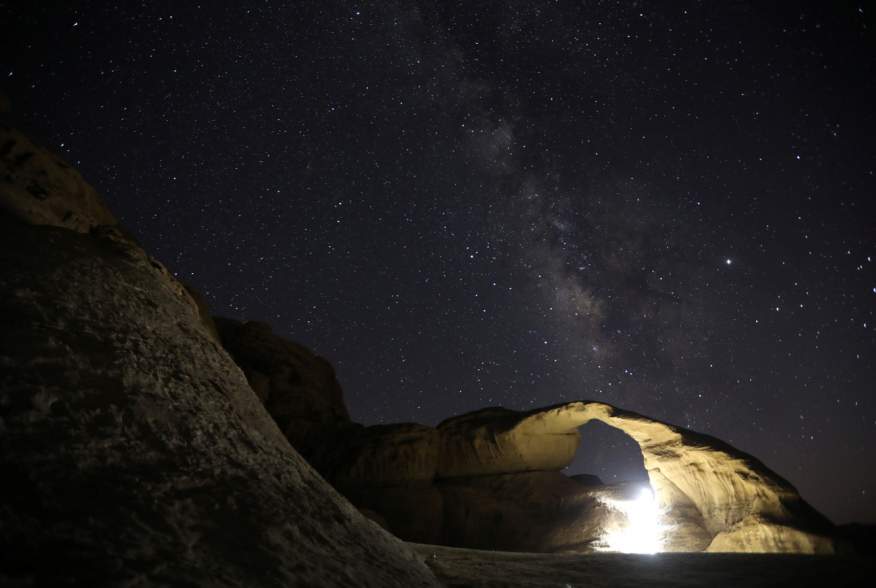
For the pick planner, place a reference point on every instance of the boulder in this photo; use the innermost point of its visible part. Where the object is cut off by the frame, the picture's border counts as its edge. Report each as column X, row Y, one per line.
column 133, row 449
column 40, row 188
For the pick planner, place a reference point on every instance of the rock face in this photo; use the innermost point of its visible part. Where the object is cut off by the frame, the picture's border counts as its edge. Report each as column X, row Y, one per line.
column 388, row 469
column 495, row 441
column 298, row 388
column 40, row 188
column 133, row 449
column 533, row 511
column 385, row 454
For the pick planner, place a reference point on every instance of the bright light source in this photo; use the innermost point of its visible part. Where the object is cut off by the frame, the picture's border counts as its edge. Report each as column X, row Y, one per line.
column 643, row 530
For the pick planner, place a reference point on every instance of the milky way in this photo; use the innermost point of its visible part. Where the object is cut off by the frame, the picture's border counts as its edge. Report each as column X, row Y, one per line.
column 666, row 206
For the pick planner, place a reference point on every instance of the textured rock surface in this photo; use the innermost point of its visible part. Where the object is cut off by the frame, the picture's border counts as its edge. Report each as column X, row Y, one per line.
column 40, row 188
column 718, row 497
column 298, row 388
column 123, row 419
column 535, row 511
column 383, row 454
column 498, row 441
column 388, row 469
column 132, row 448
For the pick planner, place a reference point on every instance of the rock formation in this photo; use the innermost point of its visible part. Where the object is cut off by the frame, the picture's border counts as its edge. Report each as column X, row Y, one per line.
column 298, row 388
column 532, row 511
column 40, row 188
column 132, row 447
column 717, row 497
column 494, row 441
column 145, row 442
column 388, row 469
column 491, row 478
column 498, row 475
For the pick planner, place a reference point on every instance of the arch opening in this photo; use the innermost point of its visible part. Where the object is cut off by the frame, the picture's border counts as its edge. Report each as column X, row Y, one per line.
column 610, row 459
column 609, row 454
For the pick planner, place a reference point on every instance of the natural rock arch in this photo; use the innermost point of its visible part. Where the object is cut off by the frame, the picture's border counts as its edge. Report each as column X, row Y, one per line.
column 716, row 497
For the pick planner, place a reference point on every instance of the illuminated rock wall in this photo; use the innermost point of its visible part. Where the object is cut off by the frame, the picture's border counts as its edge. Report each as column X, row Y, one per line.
column 494, row 476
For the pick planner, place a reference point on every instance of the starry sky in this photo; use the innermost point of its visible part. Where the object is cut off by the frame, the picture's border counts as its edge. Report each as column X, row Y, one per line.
column 668, row 206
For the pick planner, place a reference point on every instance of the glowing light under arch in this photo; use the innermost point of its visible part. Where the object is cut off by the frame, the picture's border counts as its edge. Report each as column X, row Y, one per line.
column 643, row 530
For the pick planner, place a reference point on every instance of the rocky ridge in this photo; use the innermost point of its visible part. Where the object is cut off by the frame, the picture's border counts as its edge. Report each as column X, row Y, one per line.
column 133, row 448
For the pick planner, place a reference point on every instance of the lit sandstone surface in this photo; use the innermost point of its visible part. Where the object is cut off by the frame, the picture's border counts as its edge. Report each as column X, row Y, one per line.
column 716, row 497
column 492, row 479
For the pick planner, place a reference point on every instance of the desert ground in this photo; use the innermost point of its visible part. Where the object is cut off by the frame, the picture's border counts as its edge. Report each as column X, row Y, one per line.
column 481, row 569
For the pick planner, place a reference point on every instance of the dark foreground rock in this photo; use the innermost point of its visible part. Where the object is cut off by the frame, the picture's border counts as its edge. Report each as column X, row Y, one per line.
column 298, row 388
column 132, row 449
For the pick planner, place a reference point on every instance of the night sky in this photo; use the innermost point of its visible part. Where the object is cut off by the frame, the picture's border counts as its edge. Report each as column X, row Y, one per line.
column 667, row 206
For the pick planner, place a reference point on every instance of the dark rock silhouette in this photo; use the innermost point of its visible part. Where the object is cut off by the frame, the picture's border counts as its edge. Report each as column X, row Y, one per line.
column 133, row 449
column 298, row 388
